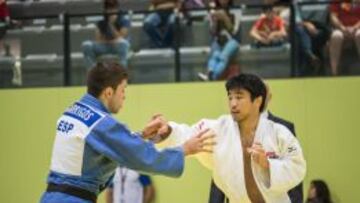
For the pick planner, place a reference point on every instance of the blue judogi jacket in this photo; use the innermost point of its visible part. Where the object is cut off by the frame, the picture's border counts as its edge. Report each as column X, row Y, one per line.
column 90, row 144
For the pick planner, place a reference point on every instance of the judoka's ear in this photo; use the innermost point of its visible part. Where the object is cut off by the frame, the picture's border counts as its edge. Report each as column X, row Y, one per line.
column 108, row 92
column 258, row 101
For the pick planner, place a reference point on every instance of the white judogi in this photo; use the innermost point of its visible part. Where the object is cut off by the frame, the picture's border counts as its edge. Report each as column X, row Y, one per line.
column 287, row 164
column 127, row 187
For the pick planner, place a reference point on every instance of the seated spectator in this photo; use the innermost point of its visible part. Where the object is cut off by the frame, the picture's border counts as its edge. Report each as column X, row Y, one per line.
column 319, row 192
column 111, row 39
column 4, row 19
column 188, row 5
column 271, row 2
column 159, row 25
column 345, row 18
column 269, row 29
column 223, row 27
column 193, row 4
column 312, row 32
column 128, row 186
column 12, row 48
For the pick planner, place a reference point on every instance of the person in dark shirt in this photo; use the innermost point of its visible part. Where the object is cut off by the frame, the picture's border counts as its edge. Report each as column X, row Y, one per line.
column 111, row 38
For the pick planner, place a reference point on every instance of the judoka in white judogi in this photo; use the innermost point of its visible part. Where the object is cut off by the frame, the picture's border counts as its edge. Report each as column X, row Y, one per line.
column 287, row 165
column 276, row 163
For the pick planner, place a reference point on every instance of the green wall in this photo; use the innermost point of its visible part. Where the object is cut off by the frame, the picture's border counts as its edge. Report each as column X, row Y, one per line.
column 325, row 112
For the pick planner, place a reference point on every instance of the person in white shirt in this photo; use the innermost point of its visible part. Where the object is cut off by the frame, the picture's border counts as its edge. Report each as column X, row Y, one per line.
column 130, row 186
column 254, row 160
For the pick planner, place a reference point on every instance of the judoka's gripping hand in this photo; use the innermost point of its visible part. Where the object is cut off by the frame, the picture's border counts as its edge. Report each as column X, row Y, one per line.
column 201, row 142
column 259, row 155
column 152, row 127
column 159, row 128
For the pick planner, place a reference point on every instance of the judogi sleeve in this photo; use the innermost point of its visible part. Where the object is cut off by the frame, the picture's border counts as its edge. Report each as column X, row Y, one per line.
column 182, row 132
column 289, row 168
column 116, row 142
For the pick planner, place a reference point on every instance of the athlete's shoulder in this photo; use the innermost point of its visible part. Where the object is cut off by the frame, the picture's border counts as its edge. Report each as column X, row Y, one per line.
column 85, row 113
column 280, row 130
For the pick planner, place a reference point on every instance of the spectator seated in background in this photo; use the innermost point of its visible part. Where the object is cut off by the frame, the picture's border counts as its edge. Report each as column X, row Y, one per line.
column 159, row 25
column 193, row 4
column 345, row 18
column 129, row 186
column 313, row 32
column 319, row 192
column 111, row 39
column 269, row 29
column 223, row 27
column 12, row 47
column 4, row 20
column 188, row 5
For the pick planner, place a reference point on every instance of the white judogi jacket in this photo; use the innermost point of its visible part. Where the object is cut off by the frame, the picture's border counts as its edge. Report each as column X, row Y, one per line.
column 287, row 164
column 127, row 187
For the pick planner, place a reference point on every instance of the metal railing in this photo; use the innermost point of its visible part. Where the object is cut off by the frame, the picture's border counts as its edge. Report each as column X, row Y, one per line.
column 66, row 20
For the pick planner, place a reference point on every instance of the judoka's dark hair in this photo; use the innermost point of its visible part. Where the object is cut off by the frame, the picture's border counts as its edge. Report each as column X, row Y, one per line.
column 322, row 192
column 251, row 83
column 105, row 74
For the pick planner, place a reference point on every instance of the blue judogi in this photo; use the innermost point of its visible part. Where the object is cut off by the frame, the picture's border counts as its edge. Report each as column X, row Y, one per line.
column 90, row 144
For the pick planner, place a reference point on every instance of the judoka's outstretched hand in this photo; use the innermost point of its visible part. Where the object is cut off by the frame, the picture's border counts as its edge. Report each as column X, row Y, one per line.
column 201, row 142
column 157, row 129
column 152, row 127
column 165, row 130
column 259, row 155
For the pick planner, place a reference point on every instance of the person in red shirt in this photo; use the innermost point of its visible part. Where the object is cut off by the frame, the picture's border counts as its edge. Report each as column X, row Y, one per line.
column 269, row 29
column 345, row 17
column 5, row 23
column 4, row 10
column 4, row 18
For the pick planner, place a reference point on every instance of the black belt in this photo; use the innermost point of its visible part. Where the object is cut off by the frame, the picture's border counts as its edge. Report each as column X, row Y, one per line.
column 71, row 190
